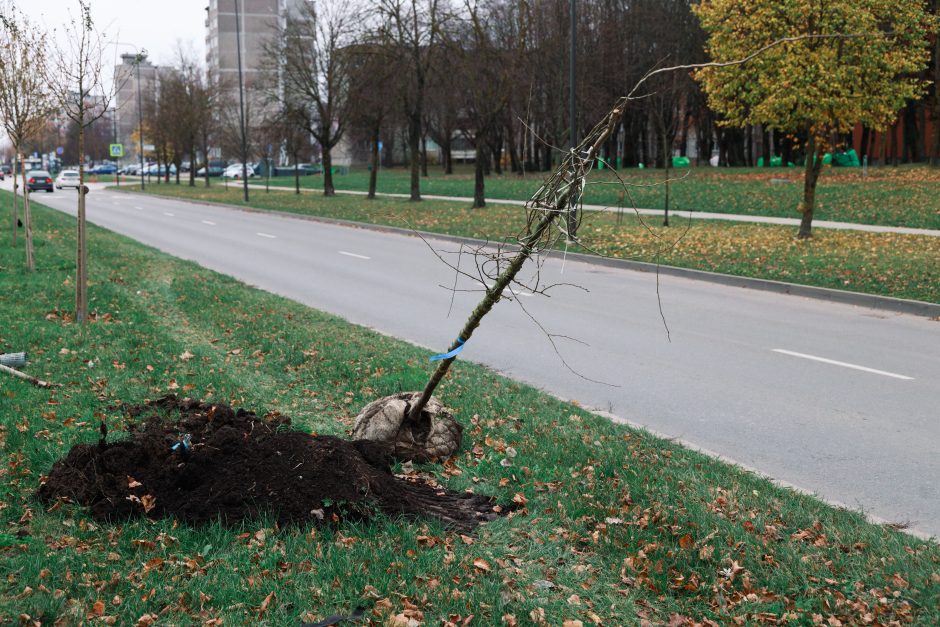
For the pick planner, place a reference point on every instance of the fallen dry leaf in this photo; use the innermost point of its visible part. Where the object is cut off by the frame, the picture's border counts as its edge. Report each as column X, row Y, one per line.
column 482, row 564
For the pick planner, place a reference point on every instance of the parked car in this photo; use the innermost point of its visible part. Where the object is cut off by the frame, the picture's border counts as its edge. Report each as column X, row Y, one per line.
column 234, row 171
column 39, row 179
column 310, row 168
column 67, row 178
column 104, row 168
column 6, row 168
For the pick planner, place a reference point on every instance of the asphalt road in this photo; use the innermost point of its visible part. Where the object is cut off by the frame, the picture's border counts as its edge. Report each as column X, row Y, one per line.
column 838, row 400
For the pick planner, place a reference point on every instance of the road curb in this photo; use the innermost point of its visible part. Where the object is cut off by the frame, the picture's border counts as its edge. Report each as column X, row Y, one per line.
column 858, row 299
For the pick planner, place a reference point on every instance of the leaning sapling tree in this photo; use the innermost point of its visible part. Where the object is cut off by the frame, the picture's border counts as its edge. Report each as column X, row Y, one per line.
column 846, row 61
column 25, row 100
column 77, row 75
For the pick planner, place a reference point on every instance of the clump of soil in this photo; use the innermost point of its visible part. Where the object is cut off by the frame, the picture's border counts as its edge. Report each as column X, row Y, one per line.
column 238, row 465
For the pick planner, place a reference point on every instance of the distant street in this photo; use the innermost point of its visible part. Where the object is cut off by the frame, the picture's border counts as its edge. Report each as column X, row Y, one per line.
column 834, row 399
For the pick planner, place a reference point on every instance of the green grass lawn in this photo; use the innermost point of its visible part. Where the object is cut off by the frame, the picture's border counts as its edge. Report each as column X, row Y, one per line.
column 618, row 527
column 905, row 196
column 902, row 266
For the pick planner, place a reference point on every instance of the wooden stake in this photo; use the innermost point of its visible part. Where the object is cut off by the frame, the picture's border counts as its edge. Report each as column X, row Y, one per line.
column 26, row 377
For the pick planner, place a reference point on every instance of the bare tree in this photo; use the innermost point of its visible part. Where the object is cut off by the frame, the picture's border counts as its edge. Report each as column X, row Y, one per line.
column 77, row 75
column 413, row 29
column 25, row 101
column 315, row 72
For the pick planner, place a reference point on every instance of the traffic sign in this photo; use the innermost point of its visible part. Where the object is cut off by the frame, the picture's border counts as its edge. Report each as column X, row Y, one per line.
column 59, row 150
column 117, row 150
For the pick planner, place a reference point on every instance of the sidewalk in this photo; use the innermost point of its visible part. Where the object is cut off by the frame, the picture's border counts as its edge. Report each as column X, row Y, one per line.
column 695, row 215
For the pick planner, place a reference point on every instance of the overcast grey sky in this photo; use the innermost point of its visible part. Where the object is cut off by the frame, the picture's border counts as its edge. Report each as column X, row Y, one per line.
column 159, row 26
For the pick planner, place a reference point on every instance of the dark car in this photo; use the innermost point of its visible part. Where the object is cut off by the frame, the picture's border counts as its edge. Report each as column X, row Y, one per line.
column 104, row 168
column 216, row 168
column 39, row 179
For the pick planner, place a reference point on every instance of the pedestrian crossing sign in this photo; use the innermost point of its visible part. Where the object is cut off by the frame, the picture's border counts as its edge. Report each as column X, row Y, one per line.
column 117, row 150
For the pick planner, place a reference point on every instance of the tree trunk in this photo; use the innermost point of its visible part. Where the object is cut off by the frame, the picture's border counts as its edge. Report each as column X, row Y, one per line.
column 205, row 155
column 328, row 189
column 497, row 150
column 424, row 156
column 81, row 263
column 667, row 160
column 414, row 139
column 478, row 180
column 192, row 166
column 514, row 164
column 935, row 149
column 15, row 218
column 296, row 175
column 27, row 226
column 812, row 169
column 374, row 171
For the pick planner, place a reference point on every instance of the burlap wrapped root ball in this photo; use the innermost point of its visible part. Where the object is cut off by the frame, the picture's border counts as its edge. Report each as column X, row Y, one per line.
column 436, row 436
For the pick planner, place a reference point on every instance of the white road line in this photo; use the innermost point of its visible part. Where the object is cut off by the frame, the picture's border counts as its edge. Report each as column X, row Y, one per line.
column 138, row 208
column 843, row 364
column 209, row 222
column 343, row 252
column 167, row 213
column 268, row 235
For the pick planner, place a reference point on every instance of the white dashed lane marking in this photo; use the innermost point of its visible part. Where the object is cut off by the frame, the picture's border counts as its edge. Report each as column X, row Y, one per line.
column 843, row 364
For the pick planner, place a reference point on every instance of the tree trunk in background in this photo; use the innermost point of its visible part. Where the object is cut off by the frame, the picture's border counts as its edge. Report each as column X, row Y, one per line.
column 497, row 150
column 478, row 179
column 866, row 139
column 374, row 171
column 414, row 140
column 27, row 225
column 812, row 169
column 514, row 164
column 765, row 140
column 81, row 262
column 667, row 161
column 192, row 167
column 424, row 156
column 328, row 189
column 15, row 161
column 296, row 175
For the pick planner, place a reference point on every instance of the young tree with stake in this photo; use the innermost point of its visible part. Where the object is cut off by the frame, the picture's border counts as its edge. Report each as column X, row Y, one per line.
column 25, row 100
column 77, row 75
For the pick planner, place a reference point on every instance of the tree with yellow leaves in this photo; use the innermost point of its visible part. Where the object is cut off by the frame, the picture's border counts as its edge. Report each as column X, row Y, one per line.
column 838, row 63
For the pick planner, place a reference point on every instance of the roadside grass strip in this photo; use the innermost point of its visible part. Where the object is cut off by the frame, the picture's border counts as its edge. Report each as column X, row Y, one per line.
column 891, row 196
column 614, row 526
column 886, row 264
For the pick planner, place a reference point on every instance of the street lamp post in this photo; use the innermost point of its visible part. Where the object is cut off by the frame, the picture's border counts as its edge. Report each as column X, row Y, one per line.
column 140, row 120
column 241, row 102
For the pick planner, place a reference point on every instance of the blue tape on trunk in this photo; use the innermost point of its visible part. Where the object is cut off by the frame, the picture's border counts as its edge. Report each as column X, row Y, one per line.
column 451, row 354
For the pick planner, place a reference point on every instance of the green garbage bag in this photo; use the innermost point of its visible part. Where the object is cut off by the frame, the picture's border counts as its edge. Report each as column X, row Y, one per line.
column 847, row 159
column 681, row 162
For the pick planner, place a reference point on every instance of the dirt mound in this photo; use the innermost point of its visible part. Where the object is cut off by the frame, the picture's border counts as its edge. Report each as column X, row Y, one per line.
column 236, row 465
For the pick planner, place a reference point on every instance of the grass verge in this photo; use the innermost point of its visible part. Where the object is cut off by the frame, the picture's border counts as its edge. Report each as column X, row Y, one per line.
column 617, row 528
column 903, row 196
column 901, row 266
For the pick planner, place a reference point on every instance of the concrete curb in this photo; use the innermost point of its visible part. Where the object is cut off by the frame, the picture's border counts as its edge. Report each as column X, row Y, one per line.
column 858, row 299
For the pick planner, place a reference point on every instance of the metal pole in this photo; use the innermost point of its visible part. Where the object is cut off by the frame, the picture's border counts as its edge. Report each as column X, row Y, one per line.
column 140, row 123
column 241, row 102
column 573, row 113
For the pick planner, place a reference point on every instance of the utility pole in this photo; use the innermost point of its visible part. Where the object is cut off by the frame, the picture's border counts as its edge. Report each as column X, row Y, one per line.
column 573, row 113
column 241, row 102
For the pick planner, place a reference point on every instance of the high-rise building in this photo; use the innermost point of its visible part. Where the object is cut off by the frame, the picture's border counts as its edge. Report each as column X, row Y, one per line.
column 258, row 22
column 129, row 98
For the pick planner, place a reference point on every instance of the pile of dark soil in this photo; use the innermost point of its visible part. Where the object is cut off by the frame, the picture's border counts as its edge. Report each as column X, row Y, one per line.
column 238, row 466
